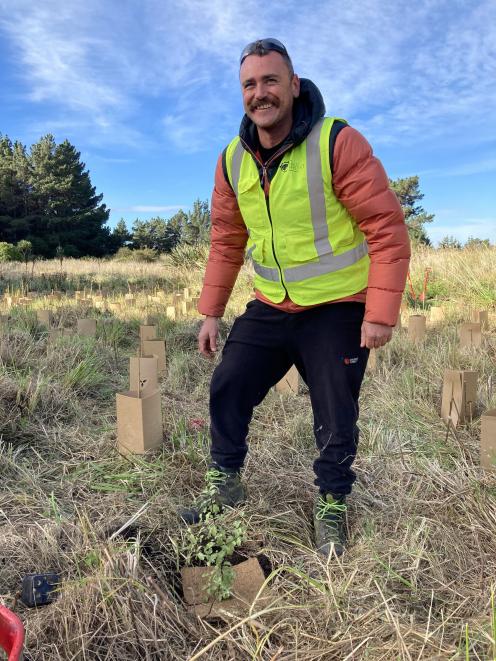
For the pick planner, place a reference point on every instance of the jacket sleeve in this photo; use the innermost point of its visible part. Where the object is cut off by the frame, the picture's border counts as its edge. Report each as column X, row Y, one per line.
column 228, row 239
column 362, row 186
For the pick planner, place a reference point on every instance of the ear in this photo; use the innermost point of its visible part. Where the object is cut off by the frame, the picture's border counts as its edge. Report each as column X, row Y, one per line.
column 295, row 86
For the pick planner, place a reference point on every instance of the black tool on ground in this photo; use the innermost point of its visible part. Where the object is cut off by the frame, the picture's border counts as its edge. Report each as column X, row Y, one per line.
column 39, row 589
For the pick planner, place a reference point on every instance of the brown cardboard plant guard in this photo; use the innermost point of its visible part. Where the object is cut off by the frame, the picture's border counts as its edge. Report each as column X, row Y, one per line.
column 459, row 396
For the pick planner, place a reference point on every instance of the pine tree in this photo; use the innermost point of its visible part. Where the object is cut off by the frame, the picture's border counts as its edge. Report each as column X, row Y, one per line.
column 156, row 234
column 70, row 212
column 6, row 187
column 46, row 198
column 120, row 235
column 474, row 243
column 14, row 190
column 450, row 242
column 197, row 227
column 140, row 234
column 177, row 223
column 43, row 182
column 409, row 195
column 23, row 174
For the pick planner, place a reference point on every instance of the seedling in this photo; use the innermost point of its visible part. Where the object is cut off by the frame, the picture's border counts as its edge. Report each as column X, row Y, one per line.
column 211, row 543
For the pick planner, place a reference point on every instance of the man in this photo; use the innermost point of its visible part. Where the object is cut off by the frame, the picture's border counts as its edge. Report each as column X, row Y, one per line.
column 330, row 252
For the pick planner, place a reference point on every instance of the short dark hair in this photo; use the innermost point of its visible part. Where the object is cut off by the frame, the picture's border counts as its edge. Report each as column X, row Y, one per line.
column 263, row 47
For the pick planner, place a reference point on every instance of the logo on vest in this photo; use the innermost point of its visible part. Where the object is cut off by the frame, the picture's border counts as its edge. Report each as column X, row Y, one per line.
column 289, row 166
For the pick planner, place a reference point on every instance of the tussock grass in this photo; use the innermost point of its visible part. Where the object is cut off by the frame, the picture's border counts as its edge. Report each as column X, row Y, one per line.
column 460, row 275
column 418, row 578
column 118, row 277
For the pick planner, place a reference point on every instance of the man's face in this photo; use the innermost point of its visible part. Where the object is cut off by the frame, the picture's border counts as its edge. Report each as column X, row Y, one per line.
column 268, row 90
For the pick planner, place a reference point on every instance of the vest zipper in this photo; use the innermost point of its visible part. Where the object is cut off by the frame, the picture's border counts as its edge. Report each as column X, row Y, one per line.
column 273, row 246
column 265, row 180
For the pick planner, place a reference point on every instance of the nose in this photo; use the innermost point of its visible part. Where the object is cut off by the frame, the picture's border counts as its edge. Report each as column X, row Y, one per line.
column 260, row 90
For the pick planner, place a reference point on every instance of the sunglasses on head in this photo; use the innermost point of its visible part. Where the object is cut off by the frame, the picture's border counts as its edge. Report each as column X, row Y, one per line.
column 266, row 44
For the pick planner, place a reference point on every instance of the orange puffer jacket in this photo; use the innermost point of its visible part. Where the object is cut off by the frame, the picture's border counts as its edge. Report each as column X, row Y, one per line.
column 362, row 186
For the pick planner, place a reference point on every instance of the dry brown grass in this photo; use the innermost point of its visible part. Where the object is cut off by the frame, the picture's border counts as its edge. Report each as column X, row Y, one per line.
column 419, row 576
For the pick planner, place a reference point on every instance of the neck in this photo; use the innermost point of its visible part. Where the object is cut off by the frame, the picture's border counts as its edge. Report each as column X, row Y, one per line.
column 275, row 135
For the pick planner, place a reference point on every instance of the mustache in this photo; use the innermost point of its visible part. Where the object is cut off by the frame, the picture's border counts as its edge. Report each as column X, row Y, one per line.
column 262, row 102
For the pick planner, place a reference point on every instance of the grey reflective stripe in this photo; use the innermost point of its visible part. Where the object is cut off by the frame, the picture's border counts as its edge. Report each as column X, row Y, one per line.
column 263, row 271
column 316, row 192
column 236, row 160
column 266, row 272
column 326, row 264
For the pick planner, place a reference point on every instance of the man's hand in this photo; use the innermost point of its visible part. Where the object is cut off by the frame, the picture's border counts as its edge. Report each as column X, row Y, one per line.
column 207, row 337
column 375, row 335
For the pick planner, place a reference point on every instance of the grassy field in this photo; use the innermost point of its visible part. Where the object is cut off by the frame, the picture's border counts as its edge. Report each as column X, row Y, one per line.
column 418, row 580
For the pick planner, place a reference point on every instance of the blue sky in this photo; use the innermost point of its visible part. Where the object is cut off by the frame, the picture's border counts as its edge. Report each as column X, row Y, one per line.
column 148, row 91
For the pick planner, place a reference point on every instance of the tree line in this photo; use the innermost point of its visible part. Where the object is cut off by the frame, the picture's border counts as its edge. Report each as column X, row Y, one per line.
column 49, row 208
column 452, row 243
column 164, row 234
column 46, row 198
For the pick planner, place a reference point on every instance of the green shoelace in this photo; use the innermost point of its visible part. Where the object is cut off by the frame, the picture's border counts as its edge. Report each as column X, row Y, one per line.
column 325, row 507
column 215, row 477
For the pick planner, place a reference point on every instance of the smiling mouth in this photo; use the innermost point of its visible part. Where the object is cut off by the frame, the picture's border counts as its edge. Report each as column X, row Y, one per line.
column 264, row 106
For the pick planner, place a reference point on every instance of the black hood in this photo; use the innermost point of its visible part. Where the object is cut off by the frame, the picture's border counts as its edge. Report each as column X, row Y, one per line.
column 308, row 108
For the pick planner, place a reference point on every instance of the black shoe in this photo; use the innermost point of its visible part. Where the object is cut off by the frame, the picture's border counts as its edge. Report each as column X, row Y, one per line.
column 329, row 515
column 223, row 488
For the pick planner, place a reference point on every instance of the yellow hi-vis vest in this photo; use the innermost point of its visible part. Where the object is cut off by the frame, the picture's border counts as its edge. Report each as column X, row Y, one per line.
column 302, row 240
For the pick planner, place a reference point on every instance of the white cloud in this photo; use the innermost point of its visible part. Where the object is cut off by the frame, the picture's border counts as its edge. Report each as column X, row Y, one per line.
column 402, row 72
column 57, row 48
column 446, row 86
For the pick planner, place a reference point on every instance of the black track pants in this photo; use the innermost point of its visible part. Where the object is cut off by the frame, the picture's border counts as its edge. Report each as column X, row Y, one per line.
column 324, row 344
